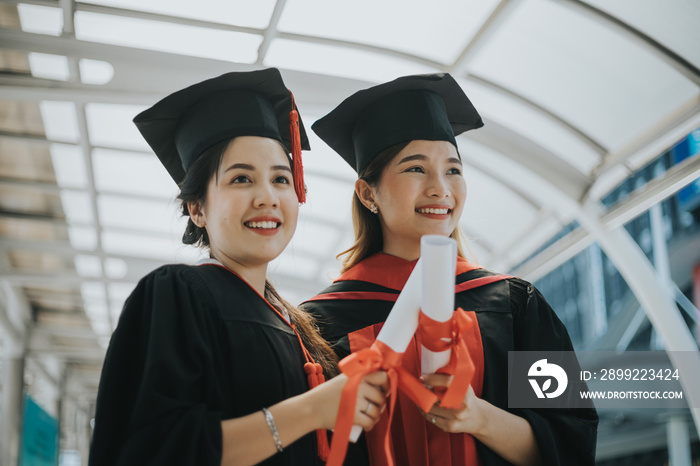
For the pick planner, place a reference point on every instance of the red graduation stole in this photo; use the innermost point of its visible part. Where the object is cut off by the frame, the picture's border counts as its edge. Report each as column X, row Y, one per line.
column 410, row 440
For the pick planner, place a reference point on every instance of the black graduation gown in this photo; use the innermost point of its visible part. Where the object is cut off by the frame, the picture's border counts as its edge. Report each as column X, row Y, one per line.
column 512, row 316
column 195, row 345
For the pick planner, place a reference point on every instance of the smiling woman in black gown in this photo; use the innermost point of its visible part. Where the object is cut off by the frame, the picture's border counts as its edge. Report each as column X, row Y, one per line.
column 208, row 365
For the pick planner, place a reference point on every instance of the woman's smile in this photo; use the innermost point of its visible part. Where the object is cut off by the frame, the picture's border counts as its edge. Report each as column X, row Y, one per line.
column 264, row 225
column 435, row 211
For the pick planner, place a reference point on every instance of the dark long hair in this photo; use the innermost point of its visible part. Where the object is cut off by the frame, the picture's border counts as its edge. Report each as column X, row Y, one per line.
column 368, row 230
column 194, row 189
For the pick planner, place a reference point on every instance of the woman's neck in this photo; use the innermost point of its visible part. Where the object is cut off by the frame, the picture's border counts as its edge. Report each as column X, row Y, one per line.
column 408, row 250
column 255, row 276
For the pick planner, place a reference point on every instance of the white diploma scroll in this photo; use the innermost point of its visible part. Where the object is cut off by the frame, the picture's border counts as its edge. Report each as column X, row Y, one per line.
column 402, row 322
column 439, row 257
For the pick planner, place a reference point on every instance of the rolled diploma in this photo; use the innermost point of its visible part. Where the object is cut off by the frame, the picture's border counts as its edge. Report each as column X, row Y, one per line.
column 401, row 323
column 439, row 255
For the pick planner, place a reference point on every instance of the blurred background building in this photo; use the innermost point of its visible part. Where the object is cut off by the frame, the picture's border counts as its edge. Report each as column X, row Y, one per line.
column 585, row 179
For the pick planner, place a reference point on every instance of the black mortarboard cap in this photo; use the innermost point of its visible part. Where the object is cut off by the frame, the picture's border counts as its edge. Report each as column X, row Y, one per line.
column 254, row 103
column 430, row 106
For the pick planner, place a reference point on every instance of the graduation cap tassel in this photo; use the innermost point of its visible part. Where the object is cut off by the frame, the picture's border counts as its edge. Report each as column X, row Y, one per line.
column 296, row 153
column 314, row 373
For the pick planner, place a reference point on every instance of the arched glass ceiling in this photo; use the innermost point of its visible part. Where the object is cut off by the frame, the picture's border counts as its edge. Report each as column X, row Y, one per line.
column 575, row 95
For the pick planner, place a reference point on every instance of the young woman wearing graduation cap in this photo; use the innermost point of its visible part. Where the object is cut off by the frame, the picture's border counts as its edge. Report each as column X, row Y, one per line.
column 208, row 365
column 400, row 139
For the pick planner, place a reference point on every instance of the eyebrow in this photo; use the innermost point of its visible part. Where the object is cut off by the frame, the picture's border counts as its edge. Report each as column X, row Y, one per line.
column 410, row 158
column 243, row 166
column 422, row 157
column 246, row 166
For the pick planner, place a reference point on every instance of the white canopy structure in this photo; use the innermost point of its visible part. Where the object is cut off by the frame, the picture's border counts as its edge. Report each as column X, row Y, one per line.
column 576, row 95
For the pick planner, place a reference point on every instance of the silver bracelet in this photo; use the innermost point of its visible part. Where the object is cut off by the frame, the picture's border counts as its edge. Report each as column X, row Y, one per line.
column 273, row 429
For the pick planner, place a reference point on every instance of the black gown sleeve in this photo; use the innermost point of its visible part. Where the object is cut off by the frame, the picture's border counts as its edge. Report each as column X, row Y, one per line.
column 565, row 436
column 161, row 360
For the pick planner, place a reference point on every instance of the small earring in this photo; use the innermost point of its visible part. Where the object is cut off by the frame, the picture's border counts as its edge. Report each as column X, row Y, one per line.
column 373, row 209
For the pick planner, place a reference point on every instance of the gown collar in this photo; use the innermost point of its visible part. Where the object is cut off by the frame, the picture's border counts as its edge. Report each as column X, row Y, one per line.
column 212, row 261
column 391, row 271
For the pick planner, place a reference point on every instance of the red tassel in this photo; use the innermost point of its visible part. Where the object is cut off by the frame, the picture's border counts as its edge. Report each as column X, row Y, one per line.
column 314, row 373
column 297, row 167
column 322, row 441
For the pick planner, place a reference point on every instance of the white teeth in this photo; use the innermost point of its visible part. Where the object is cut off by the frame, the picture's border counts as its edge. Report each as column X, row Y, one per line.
column 266, row 225
column 434, row 211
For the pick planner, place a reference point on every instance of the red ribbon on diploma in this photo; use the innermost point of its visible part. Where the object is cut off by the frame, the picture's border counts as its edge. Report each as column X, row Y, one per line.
column 441, row 336
column 379, row 356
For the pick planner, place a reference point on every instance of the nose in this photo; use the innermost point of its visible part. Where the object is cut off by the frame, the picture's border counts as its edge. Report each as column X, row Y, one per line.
column 438, row 187
column 265, row 196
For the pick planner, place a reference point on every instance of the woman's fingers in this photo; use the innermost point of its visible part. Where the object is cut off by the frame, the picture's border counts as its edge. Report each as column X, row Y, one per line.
column 371, row 410
column 371, row 400
column 468, row 418
column 378, row 379
column 367, row 413
column 437, row 421
column 436, row 380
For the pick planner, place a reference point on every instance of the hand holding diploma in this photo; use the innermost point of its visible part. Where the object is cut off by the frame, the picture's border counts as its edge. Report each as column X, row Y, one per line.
column 431, row 284
column 442, row 329
column 385, row 353
column 401, row 324
column 470, row 417
column 438, row 292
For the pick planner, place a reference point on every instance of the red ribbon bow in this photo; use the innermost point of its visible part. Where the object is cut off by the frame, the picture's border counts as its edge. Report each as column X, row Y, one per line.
column 356, row 366
column 441, row 336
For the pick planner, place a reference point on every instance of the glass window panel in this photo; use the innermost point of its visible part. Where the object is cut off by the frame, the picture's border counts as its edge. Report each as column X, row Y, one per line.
column 328, row 199
column 40, row 19
column 77, row 206
column 93, row 291
column 111, row 125
column 60, row 121
column 115, row 310
column 314, row 237
column 155, row 247
column 99, row 319
column 82, row 238
column 88, row 266
column 292, row 265
column 330, row 268
column 534, row 125
column 118, row 292
column 531, row 240
column 116, row 268
column 167, row 37
column 139, row 214
column 47, row 66
column 493, row 212
column 133, row 173
column 290, row 292
column 322, row 159
column 95, row 71
column 339, row 61
column 236, row 12
column 478, row 254
column 406, row 25
column 613, row 96
column 69, row 166
column 513, row 174
column 674, row 25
